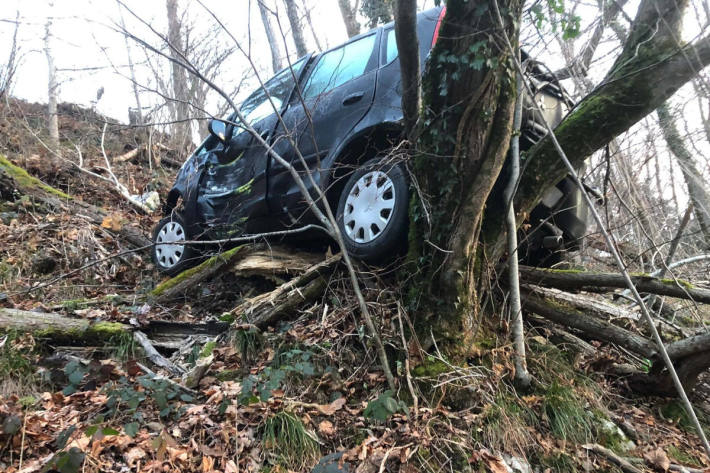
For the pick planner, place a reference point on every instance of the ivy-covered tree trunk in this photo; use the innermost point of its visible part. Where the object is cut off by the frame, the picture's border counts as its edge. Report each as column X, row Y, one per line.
column 457, row 230
column 468, row 101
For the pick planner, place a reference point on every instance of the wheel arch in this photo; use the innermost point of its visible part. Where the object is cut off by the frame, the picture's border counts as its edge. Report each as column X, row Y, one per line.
column 360, row 147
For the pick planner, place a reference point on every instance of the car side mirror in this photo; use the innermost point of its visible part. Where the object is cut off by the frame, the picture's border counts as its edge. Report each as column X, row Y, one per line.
column 234, row 147
column 220, row 130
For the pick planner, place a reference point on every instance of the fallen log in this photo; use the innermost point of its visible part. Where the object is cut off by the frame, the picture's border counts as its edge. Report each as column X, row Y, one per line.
column 152, row 354
column 595, row 282
column 244, row 260
column 265, row 308
column 176, row 287
column 591, row 326
column 55, row 199
column 60, row 329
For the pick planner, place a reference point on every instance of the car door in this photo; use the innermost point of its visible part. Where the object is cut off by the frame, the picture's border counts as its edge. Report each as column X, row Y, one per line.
column 232, row 195
column 334, row 96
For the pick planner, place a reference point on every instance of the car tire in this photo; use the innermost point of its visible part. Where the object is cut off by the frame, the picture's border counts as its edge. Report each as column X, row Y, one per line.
column 373, row 211
column 172, row 259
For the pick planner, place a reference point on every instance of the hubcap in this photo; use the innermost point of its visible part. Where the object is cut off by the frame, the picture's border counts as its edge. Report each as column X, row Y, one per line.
column 168, row 254
column 369, row 207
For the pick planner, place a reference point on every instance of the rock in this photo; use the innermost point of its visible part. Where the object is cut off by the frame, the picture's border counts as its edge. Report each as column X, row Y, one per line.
column 7, row 217
column 154, row 426
column 516, row 464
column 613, row 437
column 329, row 464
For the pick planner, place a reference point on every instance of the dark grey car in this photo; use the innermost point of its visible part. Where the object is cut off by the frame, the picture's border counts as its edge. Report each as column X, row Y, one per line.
column 342, row 110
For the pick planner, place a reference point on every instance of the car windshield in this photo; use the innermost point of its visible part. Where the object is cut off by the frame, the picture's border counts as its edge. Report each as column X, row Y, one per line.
column 258, row 106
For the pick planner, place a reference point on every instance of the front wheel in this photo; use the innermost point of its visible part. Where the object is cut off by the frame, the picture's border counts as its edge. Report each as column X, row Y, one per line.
column 372, row 211
column 172, row 258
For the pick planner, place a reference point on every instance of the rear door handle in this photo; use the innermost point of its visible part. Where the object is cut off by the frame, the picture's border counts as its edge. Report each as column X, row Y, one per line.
column 353, row 98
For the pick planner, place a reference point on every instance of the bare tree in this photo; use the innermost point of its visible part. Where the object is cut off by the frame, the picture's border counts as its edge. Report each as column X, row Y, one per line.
column 132, row 71
column 52, row 84
column 277, row 55
column 311, row 27
column 7, row 72
column 697, row 192
column 349, row 13
column 182, row 134
column 296, row 28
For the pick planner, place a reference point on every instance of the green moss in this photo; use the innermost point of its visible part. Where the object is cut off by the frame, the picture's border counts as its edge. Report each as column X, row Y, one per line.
column 228, row 375
column 23, row 179
column 172, row 282
column 105, row 330
column 430, row 369
column 207, row 349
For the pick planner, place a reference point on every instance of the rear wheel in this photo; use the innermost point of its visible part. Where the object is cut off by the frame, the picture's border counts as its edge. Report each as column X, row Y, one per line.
column 172, row 258
column 372, row 211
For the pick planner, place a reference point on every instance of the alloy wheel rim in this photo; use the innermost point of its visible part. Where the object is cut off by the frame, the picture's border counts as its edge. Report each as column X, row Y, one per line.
column 369, row 207
column 169, row 254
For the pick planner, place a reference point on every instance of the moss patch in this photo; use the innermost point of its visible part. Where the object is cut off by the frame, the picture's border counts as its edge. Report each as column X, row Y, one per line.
column 23, row 179
column 172, row 282
column 430, row 368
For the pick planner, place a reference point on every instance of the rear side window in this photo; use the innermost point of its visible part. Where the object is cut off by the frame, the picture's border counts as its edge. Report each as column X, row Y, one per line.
column 391, row 47
column 339, row 66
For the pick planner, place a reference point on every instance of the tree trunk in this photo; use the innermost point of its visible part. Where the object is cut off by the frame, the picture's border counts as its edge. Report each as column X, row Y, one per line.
column 651, row 68
column 181, row 129
column 405, row 28
column 132, row 71
column 296, row 28
column 467, row 116
column 697, row 192
column 310, row 26
column 467, row 122
column 274, row 41
column 52, row 85
column 349, row 17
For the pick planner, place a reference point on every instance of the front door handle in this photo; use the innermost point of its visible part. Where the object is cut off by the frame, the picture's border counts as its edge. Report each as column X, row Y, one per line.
column 353, row 98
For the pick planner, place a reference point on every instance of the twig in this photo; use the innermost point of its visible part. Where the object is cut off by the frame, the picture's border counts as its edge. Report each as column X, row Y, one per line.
column 612, row 457
column 407, row 374
column 179, row 386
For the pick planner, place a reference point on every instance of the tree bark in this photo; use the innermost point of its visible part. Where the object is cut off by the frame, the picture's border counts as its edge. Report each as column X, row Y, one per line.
column 60, row 329
column 274, row 41
column 349, row 17
column 180, row 105
column 52, row 85
column 594, row 282
column 467, row 116
column 697, row 192
column 405, row 29
column 296, row 27
column 651, row 68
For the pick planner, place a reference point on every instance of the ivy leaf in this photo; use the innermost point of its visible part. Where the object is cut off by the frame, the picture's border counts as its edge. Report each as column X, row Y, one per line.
column 131, row 429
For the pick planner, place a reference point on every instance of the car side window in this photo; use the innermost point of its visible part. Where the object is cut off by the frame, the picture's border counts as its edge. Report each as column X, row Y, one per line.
column 339, row 66
column 391, row 51
column 258, row 106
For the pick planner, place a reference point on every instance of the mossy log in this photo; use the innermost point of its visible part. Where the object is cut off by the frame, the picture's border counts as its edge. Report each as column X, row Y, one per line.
column 179, row 285
column 266, row 308
column 25, row 184
column 599, row 282
column 273, row 263
column 60, row 329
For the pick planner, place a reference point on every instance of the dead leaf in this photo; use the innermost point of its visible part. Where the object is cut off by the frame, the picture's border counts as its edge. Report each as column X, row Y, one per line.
column 333, row 407
column 231, row 467
column 326, row 428
column 207, row 464
column 133, row 455
column 658, row 459
column 112, row 222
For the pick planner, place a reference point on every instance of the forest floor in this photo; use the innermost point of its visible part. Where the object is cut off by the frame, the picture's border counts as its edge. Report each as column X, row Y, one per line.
column 279, row 397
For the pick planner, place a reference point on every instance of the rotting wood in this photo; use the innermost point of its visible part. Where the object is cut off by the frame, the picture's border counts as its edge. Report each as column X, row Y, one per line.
column 60, row 329
column 595, row 282
column 265, row 308
column 591, row 326
column 179, row 285
column 152, row 354
column 274, row 261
